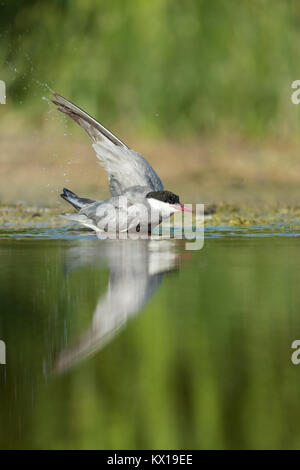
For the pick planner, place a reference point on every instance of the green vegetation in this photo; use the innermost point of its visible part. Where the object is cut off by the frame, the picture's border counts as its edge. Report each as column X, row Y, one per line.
column 202, row 88
column 222, row 215
column 163, row 67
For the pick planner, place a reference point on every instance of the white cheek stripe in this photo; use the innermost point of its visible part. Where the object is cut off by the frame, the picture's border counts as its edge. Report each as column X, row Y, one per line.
column 163, row 207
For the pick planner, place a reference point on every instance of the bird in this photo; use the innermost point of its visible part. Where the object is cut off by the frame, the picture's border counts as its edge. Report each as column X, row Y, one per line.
column 138, row 200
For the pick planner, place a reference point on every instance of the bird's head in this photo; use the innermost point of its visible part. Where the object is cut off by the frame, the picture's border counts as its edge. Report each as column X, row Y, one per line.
column 166, row 200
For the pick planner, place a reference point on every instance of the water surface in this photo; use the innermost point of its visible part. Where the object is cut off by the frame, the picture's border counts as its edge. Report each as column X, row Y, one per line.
column 142, row 344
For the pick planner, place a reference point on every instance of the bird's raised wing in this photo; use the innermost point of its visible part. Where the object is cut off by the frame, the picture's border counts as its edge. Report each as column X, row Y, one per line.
column 125, row 167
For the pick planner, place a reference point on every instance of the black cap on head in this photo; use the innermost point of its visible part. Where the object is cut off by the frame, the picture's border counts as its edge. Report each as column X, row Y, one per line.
column 164, row 196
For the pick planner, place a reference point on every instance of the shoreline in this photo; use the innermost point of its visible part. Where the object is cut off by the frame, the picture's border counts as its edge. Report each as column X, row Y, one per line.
column 222, row 214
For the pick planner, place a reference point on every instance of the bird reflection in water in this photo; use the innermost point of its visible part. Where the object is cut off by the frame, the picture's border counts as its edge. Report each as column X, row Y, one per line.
column 136, row 271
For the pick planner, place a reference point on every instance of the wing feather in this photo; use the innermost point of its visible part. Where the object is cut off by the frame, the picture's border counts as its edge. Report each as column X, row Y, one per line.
column 125, row 167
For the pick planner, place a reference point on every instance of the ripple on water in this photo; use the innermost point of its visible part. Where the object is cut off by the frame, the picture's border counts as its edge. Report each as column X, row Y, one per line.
column 210, row 232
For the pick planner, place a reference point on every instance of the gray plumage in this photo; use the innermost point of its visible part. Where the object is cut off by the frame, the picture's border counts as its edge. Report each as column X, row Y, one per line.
column 125, row 167
column 130, row 176
column 76, row 201
column 119, row 213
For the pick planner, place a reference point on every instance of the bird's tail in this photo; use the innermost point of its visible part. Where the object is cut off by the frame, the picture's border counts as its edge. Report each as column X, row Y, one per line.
column 76, row 201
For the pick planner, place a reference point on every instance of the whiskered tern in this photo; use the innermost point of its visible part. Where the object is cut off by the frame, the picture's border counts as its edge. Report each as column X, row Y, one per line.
column 139, row 201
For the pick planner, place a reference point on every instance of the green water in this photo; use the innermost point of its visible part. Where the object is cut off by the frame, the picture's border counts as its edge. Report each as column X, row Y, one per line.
column 121, row 344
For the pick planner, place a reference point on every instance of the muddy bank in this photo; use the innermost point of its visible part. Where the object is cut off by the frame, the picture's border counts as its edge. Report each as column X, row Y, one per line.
column 243, row 215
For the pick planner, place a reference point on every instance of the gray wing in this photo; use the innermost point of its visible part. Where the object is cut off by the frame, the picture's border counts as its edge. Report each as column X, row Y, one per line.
column 99, row 215
column 124, row 166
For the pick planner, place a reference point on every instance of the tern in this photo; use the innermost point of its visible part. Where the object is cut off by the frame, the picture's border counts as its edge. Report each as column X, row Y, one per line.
column 139, row 201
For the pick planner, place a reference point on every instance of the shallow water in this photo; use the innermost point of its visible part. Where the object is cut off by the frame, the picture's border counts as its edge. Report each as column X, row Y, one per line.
column 143, row 344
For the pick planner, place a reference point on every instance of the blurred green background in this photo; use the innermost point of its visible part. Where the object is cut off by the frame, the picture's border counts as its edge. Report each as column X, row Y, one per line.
column 163, row 67
column 202, row 88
